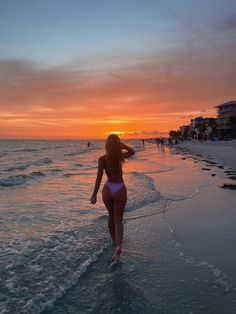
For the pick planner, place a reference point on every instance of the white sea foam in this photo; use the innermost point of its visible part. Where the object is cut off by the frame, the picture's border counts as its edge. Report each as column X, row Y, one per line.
column 13, row 180
column 20, row 179
column 3, row 309
column 41, row 302
column 221, row 276
column 142, row 191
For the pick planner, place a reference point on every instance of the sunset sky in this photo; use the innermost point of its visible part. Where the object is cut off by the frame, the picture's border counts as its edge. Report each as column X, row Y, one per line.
column 83, row 69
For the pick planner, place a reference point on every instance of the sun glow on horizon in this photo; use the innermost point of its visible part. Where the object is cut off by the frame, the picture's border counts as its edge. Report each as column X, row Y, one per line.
column 115, row 132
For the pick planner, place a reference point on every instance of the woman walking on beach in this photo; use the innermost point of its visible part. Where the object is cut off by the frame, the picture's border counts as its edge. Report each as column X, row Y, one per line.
column 114, row 192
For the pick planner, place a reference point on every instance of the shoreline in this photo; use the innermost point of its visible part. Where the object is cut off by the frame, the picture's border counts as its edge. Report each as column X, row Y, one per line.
column 216, row 154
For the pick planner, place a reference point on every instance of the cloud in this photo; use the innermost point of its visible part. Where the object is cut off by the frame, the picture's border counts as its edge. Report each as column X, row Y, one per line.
column 145, row 133
column 25, row 83
column 149, row 86
column 187, row 116
column 156, row 92
column 228, row 24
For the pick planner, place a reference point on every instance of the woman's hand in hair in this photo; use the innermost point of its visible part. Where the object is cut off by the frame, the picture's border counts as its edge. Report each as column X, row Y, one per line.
column 122, row 146
column 130, row 152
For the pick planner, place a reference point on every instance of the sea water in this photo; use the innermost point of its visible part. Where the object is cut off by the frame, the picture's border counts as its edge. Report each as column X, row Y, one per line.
column 55, row 245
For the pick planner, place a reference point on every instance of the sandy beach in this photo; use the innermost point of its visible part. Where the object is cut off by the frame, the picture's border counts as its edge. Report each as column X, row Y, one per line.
column 222, row 151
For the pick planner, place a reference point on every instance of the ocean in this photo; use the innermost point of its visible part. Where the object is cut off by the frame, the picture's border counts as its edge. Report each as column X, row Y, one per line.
column 55, row 247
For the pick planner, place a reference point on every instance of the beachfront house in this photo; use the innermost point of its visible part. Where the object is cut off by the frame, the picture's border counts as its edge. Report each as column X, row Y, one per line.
column 196, row 121
column 226, row 120
column 198, row 126
column 211, row 128
column 185, row 131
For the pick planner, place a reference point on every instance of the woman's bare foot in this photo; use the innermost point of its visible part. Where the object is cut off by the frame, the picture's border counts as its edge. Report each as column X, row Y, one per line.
column 116, row 255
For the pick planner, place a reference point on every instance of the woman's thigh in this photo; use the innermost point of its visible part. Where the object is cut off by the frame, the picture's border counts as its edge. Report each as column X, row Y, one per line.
column 120, row 200
column 108, row 200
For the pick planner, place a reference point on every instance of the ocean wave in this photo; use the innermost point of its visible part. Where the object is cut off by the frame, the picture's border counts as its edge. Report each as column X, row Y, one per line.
column 26, row 150
column 87, row 174
column 3, row 154
column 70, row 174
column 72, row 154
column 159, row 207
column 43, row 271
column 78, row 152
column 158, row 171
column 142, row 191
column 194, row 192
column 44, row 161
column 56, row 170
column 13, row 180
column 20, row 179
column 37, row 174
column 24, row 166
column 138, row 148
column 40, row 302
column 221, row 277
column 19, row 167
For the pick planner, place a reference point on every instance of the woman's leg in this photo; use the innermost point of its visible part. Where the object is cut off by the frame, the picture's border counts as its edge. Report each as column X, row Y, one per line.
column 120, row 200
column 108, row 202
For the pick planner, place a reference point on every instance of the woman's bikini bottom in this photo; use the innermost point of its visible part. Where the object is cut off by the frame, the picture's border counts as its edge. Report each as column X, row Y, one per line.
column 114, row 187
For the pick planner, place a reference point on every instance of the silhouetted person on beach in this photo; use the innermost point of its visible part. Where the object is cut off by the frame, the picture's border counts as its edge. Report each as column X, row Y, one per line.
column 114, row 191
column 170, row 141
column 161, row 141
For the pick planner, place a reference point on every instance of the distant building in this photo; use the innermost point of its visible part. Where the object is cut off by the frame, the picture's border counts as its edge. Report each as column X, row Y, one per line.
column 210, row 121
column 196, row 121
column 226, row 119
column 185, row 131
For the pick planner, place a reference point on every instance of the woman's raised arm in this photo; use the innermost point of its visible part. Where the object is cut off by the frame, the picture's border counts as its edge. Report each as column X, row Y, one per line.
column 130, row 151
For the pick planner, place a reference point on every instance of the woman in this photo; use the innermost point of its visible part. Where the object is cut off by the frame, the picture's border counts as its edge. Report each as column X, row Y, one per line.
column 114, row 192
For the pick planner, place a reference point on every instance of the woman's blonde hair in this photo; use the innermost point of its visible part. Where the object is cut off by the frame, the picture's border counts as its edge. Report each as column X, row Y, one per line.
column 114, row 153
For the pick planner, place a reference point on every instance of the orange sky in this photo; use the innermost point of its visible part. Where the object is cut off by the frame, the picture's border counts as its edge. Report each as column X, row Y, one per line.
column 140, row 100
column 142, row 80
